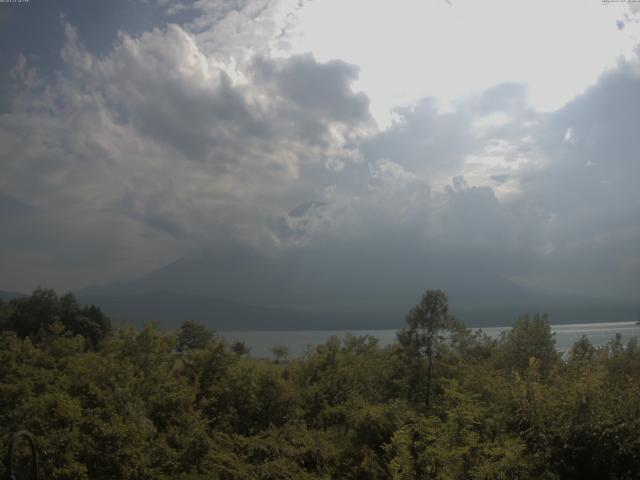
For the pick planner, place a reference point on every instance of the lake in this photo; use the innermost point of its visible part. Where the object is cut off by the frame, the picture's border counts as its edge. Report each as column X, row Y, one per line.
column 260, row 342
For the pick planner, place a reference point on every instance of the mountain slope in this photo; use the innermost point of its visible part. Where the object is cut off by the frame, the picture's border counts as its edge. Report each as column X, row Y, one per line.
column 353, row 287
column 6, row 296
column 171, row 309
column 304, row 277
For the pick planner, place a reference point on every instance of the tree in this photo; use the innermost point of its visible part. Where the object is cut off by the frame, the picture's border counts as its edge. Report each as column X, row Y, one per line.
column 31, row 316
column 240, row 348
column 582, row 349
column 88, row 321
column 428, row 321
column 281, row 352
column 4, row 315
column 530, row 337
column 44, row 312
column 193, row 336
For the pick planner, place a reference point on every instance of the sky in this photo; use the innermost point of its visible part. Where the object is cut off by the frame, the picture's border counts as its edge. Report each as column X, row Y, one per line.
column 495, row 135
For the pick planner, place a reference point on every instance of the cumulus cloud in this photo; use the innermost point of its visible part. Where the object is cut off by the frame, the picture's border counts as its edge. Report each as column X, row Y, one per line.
column 195, row 135
column 156, row 137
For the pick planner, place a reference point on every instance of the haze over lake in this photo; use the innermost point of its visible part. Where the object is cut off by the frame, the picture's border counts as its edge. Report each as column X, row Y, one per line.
column 261, row 342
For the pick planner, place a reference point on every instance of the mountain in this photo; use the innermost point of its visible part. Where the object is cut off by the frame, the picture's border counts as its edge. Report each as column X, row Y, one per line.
column 354, row 287
column 171, row 309
column 305, row 277
column 6, row 296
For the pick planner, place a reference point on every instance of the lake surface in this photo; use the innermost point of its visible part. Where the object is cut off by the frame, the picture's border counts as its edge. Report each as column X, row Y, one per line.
column 298, row 341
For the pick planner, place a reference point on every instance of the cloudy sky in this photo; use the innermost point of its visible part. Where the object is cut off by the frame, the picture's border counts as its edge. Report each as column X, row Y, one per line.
column 503, row 134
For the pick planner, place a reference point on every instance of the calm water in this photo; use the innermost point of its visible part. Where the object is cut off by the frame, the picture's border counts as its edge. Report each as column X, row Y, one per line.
column 298, row 341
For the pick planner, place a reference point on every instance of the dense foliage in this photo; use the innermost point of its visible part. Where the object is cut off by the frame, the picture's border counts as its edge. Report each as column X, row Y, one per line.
column 443, row 402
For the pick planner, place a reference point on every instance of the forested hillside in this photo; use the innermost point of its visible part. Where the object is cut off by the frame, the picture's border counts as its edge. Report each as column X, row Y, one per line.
column 443, row 402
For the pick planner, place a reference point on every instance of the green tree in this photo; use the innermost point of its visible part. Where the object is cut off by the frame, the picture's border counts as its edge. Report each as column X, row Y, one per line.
column 240, row 348
column 88, row 321
column 193, row 336
column 31, row 316
column 4, row 315
column 96, row 323
column 43, row 312
column 582, row 350
column 530, row 337
column 280, row 352
column 428, row 322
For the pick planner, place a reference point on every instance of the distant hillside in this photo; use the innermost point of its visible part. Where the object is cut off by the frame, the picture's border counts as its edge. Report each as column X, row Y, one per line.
column 579, row 311
column 4, row 295
column 171, row 309
column 355, row 287
column 301, row 277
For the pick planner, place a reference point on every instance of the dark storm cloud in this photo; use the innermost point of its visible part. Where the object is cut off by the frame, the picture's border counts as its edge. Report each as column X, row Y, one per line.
column 322, row 90
column 12, row 209
column 311, row 99
column 590, row 183
column 164, row 86
column 33, row 28
column 594, row 143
